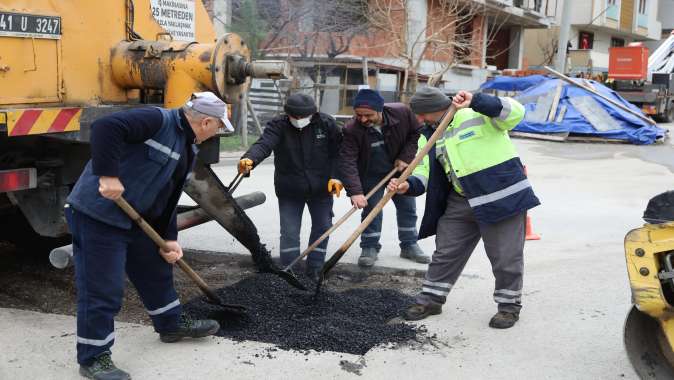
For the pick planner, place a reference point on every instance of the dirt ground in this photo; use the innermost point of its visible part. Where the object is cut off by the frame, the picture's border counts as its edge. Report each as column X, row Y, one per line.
column 29, row 282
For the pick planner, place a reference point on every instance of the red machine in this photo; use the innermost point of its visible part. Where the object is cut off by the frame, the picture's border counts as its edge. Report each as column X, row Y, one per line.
column 628, row 74
column 628, row 63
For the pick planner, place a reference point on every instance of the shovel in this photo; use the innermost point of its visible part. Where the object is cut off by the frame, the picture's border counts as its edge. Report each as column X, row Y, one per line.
column 235, row 182
column 285, row 274
column 236, row 310
column 338, row 224
column 439, row 131
column 216, row 200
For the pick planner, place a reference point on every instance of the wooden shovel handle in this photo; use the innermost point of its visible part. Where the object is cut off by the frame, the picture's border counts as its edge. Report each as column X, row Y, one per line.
column 343, row 219
column 440, row 130
column 157, row 239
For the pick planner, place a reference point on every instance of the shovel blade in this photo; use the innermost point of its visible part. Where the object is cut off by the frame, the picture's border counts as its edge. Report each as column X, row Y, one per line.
column 234, row 310
column 326, row 268
column 290, row 278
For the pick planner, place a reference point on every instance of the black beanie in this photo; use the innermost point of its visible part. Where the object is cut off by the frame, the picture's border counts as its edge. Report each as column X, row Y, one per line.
column 300, row 105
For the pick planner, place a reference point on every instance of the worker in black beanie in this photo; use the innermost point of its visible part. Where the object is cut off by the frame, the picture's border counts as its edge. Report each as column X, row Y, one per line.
column 305, row 143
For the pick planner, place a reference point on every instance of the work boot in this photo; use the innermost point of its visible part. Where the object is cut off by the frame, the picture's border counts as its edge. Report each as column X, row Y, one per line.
column 419, row 311
column 103, row 369
column 413, row 252
column 191, row 328
column 504, row 320
column 367, row 257
column 313, row 273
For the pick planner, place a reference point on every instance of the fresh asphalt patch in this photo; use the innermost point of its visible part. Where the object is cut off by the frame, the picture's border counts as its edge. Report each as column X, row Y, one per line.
column 351, row 321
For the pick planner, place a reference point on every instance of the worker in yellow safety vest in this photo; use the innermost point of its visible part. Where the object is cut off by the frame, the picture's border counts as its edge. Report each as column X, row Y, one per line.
column 476, row 189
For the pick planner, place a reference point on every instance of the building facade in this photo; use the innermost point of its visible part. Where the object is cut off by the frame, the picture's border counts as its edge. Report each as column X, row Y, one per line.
column 492, row 33
column 596, row 26
column 497, row 41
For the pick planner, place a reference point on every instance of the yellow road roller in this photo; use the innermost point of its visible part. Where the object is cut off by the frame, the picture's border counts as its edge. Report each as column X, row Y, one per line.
column 649, row 327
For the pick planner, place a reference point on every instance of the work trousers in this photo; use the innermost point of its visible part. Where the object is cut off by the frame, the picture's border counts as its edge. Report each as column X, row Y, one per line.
column 102, row 254
column 457, row 235
column 290, row 213
column 406, row 214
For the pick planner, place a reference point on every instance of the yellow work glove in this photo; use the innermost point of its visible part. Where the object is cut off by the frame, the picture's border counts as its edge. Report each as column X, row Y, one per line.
column 335, row 187
column 245, row 165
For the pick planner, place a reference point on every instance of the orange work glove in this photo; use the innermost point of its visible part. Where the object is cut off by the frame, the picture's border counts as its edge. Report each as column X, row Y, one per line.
column 335, row 187
column 245, row 165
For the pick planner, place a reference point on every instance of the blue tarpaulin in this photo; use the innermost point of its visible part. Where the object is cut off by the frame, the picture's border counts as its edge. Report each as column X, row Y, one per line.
column 506, row 83
column 626, row 126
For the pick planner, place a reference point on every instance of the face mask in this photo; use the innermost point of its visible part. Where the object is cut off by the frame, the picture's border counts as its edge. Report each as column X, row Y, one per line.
column 300, row 123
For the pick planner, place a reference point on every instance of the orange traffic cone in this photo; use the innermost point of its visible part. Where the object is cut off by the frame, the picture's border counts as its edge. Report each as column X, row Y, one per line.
column 531, row 235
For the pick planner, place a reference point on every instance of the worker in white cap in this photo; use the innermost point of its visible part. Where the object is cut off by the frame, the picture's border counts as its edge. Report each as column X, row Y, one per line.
column 145, row 154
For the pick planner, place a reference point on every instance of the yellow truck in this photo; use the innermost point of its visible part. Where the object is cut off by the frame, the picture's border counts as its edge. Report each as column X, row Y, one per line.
column 65, row 63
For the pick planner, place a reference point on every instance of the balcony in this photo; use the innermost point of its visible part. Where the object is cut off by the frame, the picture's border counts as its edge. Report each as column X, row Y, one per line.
column 581, row 60
column 524, row 13
column 534, row 7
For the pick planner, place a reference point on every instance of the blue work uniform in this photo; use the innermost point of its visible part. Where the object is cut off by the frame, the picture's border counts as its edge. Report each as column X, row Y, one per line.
column 151, row 151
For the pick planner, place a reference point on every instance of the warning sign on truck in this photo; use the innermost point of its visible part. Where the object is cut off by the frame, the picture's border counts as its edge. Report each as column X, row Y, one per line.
column 176, row 17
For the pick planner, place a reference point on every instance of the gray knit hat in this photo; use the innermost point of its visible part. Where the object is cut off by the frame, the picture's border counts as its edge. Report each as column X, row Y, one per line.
column 300, row 105
column 428, row 100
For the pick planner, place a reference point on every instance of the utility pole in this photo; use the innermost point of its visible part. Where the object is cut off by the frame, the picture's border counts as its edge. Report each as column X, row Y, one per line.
column 560, row 62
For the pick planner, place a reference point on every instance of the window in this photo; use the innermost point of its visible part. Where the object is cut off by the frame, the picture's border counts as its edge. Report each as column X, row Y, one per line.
column 642, row 7
column 617, row 42
column 613, row 9
column 585, row 40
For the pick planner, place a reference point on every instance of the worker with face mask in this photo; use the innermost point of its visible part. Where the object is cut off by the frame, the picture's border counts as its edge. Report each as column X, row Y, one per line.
column 305, row 143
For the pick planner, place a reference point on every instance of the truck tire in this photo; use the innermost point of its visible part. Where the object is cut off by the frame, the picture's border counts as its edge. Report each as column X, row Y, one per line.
column 15, row 229
column 668, row 115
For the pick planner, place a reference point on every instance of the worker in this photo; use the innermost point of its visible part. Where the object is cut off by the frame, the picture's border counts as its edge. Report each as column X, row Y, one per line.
column 380, row 137
column 305, row 143
column 146, row 155
column 475, row 188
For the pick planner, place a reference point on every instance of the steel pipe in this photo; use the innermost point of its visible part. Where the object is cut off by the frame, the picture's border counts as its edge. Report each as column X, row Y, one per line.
column 62, row 257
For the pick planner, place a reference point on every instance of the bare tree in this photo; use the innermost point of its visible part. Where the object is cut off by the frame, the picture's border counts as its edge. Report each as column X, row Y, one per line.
column 548, row 48
column 454, row 31
column 446, row 37
column 307, row 28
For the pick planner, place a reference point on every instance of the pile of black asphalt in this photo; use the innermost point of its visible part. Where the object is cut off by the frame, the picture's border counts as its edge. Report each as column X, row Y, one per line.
column 352, row 321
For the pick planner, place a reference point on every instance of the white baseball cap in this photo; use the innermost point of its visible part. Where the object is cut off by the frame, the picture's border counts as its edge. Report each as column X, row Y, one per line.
column 209, row 104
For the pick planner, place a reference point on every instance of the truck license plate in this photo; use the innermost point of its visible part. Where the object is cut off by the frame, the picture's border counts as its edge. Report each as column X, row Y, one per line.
column 28, row 25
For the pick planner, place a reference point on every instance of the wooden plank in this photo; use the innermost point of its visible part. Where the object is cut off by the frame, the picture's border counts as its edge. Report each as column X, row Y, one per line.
column 272, row 104
column 269, row 103
column 621, row 106
column 560, row 115
column 594, row 113
column 542, row 110
column 590, row 139
column 264, row 95
column 558, row 137
column 254, row 115
column 555, row 102
column 366, row 76
column 264, row 90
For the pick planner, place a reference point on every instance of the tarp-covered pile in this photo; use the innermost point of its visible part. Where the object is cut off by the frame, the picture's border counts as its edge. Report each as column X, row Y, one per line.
column 560, row 109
